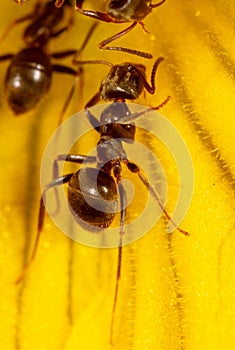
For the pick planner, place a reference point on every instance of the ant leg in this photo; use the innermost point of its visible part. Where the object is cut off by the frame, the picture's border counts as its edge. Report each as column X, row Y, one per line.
column 68, row 70
column 102, row 44
column 73, row 158
column 59, row 3
column 101, row 16
column 63, row 54
column 151, row 88
column 64, row 69
column 152, row 6
column 13, row 24
column 60, row 31
column 96, row 98
column 122, row 196
column 91, row 118
column 93, row 101
column 86, row 40
column 133, row 117
column 135, row 169
column 6, row 57
column 60, row 181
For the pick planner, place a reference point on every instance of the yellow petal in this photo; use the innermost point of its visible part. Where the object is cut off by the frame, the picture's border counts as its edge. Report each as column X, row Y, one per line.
column 176, row 292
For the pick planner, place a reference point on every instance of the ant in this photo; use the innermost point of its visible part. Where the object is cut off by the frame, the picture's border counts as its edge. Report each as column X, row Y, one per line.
column 102, row 184
column 58, row 3
column 28, row 77
column 45, row 21
column 122, row 11
column 20, row 2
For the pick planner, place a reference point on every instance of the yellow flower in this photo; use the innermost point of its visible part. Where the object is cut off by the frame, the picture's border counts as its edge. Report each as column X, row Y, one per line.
column 175, row 292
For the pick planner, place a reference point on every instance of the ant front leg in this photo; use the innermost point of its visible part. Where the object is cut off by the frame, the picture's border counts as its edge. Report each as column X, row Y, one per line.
column 57, row 182
column 151, row 88
column 91, row 118
column 133, row 117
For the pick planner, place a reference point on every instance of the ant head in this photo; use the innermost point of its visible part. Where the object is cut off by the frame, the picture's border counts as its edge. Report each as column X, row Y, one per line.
column 124, row 81
column 126, row 10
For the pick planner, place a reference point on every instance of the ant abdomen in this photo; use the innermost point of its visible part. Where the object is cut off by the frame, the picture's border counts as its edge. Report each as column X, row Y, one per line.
column 93, row 198
column 129, row 10
column 29, row 68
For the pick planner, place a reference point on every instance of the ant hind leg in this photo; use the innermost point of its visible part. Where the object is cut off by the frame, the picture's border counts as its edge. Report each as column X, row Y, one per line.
column 135, row 169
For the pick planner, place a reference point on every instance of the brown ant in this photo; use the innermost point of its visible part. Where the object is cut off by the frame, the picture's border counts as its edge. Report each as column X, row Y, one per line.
column 122, row 11
column 28, row 77
column 58, row 3
column 45, row 21
column 20, row 2
column 102, row 184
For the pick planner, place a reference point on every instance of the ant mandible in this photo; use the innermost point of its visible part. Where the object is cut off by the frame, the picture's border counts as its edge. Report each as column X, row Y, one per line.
column 102, row 184
column 120, row 11
column 28, row 77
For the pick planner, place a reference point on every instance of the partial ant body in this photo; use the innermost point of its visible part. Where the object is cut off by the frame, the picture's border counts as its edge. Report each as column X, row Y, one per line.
column 28, row 77
column 45, row 22
column 58, row 3
column 102, row 185
column 120, row 11
column 20, row 2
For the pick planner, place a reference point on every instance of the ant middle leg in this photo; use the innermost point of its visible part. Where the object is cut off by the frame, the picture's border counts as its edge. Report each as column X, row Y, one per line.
column 53, row 184
column 102, row 44
column 57, row 182
column 151, row 88
column 13, row 24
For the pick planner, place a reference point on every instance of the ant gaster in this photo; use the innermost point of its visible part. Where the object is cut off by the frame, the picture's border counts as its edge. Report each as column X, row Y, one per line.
column 122, row 11
column 20, row 2
column 28, row 77
column 102, row 184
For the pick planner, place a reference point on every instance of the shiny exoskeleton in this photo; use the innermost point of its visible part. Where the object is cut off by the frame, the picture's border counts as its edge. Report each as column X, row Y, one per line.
column 20, row 2
column 94, row 192
column 122, row 11
column 28, row 77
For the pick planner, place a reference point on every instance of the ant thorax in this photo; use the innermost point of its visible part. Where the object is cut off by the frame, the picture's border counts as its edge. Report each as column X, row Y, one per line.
column 109, row 152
